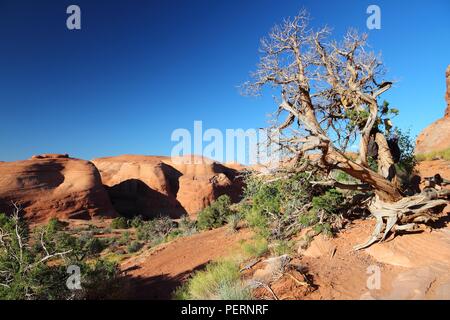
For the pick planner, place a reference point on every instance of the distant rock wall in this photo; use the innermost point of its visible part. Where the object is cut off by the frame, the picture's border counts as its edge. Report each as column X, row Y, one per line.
column 152, row 186
column 47, row 186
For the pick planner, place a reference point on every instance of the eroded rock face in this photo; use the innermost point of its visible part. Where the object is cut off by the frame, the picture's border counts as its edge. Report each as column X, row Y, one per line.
column 152, row 186
column 436, row 137
column 47, row 186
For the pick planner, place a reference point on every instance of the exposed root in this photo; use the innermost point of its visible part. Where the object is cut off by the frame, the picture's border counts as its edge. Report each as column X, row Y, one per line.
column 402, row 215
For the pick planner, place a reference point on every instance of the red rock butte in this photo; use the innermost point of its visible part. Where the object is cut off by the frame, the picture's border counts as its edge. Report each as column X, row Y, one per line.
column 53, row 185
column 155, row 185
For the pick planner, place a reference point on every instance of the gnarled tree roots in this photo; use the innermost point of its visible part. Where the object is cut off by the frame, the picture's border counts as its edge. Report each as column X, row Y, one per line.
column 403, row 215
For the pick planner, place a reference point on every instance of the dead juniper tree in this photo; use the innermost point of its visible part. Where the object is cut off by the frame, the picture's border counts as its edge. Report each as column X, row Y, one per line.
column 328, row 99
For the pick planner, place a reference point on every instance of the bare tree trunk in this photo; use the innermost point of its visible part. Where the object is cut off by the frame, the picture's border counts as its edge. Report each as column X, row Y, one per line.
column 386, row 166
column 385, row 189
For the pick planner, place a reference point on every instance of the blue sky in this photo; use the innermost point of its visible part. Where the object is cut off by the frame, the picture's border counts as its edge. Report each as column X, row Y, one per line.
column 140, row 69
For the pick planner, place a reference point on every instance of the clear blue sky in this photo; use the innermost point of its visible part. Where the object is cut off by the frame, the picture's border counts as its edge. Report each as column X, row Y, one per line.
column 140, row 69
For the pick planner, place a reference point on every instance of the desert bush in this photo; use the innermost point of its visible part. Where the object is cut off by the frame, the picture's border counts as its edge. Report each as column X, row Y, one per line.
column 136, row 222
column 233, row 221
column 255, row 248
column 155, row 231
column 272, row 208
column 134, row 246
column 216, row 214
column 279, row 208
column 308, row 219
column 34, row 265
column 120, row 223
column 187, row 226
column 124, row 238
column 329, row 203
column 100, row 280
column 281, row 247
column 219, row 281
column 323, row 228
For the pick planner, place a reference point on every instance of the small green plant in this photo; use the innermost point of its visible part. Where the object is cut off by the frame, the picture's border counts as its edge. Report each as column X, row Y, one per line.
column 280, row 247
column 120, row 223
column 233, row 221
column 136, row 222
column 219, row 281
column 134, row 246
column 324, row 228
column 155, row 231
column 329, row 202
column 308, row 219
column 124, row 238
column 406, row 144
column 187, row 226
column 216, row 214
column 255, row 248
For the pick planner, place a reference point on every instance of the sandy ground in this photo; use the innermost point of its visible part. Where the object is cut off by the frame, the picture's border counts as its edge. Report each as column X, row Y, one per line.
column 156, row 274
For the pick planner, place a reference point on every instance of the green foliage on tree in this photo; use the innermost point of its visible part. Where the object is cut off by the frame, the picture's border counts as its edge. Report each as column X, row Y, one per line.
column 33, row 264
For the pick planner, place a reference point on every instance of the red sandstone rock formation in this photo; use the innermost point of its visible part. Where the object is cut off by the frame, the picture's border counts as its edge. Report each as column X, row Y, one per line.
column 152, row 186
column 436, row 137
column 48, row 186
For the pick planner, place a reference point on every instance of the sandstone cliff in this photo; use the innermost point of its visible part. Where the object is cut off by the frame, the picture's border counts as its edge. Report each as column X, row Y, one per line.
column 48, row 186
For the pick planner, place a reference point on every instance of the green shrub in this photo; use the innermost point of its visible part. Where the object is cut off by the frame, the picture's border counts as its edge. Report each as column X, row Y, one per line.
column 124, row 238
column 258, row 221
column 281, row 247
column 324, row 228
column 255, row 248
column 155, row 231
column 120, row 223
column 37, row 268
column 216, row 214
column 136, row 222
column 219, row 281
column 308, row 219
column 233, row 221
column 329, row 202
column 134, row 246
column 187, row 226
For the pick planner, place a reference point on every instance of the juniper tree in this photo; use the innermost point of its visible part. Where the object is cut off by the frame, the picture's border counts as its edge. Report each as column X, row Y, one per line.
column 329, row 98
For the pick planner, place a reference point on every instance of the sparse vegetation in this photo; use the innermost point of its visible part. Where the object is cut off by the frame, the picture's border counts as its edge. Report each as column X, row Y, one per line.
column 216, row 214
column 134, row 246
column 136, row 222
column 34, row 264
column 155, row 231
column 280, row 247
column 436, row 155
column 233, row 221
column 278, row 209
column 255, row 248
column 219, row 281
column 120, row 223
